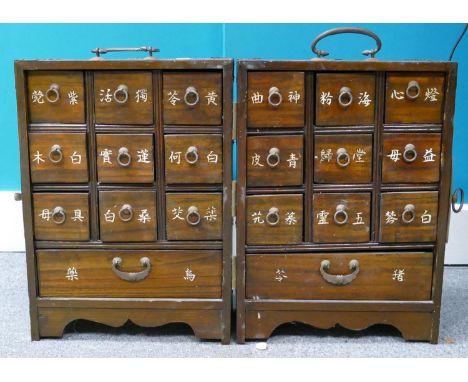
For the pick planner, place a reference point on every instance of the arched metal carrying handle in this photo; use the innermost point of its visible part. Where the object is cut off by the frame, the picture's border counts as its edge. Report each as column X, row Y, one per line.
column 131, row 276
column 455, row 198
column 99, row 51
column 331, row 32
column 339, row 279
column 123, row 157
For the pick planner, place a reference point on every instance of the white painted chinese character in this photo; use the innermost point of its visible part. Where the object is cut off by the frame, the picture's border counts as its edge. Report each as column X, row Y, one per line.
column 399, row 275
column 322, row 217
column 280, row 275
column 73, row 97
column 390, row 217
column 394, row 155
column 429, row 155
column 397, row 95
column 257, row 97
column 189, row 275
column 37, row 96
column 109, row 216
column 212, row 157
column 257, row 218
column 173, row 97
column 357, row 156
column 72, row 274
column 175, row 157
column 211, row 214
column 75, row 158
column 290, row 218
column 358, row 220
column 177, row 212
column 38, row 157
column 45, row 214
column 326, row 98
column 426, row 217
column 77, row 216
column 364, row 99
column 106, row 156
column 256, row 160
column 211, row 98
column 105, row 95
column 143, row 156
column 431, row 95
column 292, row 160
column 141, row 95
column 326, row 155
column 144, row 216
column 294, row 96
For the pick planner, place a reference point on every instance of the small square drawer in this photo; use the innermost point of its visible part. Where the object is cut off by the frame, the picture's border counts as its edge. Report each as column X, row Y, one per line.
column 402, row 276
column 56, row 97
column 123, row 98
column 408, row 216
column 414, row 98
column 341, row 218
column 411, row 158
column 275, row 99
column 274, row 219
column 342, row 158
column 345, row 99
column 194, row 216
column 192, row 98
column 193, row 158
column 127, row 215
column 275, row 160
column 61, row 216
column 129, row 274
column 125, row 158
column 58, row 157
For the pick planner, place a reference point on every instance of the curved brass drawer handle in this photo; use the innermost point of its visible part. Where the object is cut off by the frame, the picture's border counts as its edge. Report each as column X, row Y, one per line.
column 53, row 94
column 58, row 215
column 191, row 97
column 274, row 97
column 126, row 213
column 341, row 216
column 339, row 279
column 345, row 98
column 56, row 154
column 413, row 90
column 410, row 154
column 132, row 276
column 343, row 159
column 124, row 158
column 191, row 155
column 409, row 214
column 121, row 94
column 273, row 158
column 193, row 216
column 273, row 216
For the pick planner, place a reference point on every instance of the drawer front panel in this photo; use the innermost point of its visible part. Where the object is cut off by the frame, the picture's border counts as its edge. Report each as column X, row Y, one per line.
column 408, row 216
column 193, row 158
column 165, row 274
column 411, row 158
column 191, row 98
column 194, row 216
column 58, row 157
column 56, row 97
column 275, row 99
column 341, row 218
column 378, row 276
column 125, row 158
column 274, row 219
column 344, row 99
column 127, row 215
column 343, row 158
column 123, row 98
column 275, row 160
column 61, row 216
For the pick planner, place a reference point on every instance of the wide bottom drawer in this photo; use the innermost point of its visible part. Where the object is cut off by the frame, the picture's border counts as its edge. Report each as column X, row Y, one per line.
column 340, row 276
column 128, row 273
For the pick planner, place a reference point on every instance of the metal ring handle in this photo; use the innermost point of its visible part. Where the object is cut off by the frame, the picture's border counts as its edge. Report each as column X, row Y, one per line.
column 99, row 51
column 410, row 210
column 454, row 199
column 191, row 92
column 343, row 159
column 122, row 90
column 341, row 216
column 273, row 216
column 123, row 157
column 410, row 154
column 56, row 154
column 53, row 94
column 339, row 279
column 126, row 213
column 193, row 212
column 191, row 155
column 58, row 215
column 273, row 158
column 413, row 90
column 345, row 98
column 274, row 97
column 131, row 276
column 371, row 52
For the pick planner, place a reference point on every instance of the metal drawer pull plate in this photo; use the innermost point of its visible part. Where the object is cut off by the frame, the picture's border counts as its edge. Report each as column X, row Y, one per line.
column 58, row 215
column 274, row 97
column 193, row 216
column 191, row 97
column 273, row 216
column 345, row 97
column 56, row 154
column 124, row 158
column 342, row 157
column 341, row 216
column 53, row 94
column 413, row 90
column 455, row 198
column 126, row 213
column 339, row 279
column 273, row 157
column 191, row 155
column 132, row 276
column 121, row 94
column 410, row 154
column 409, row 214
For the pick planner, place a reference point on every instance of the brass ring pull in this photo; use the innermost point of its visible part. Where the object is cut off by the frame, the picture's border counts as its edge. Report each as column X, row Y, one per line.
column 56, row 154
column 124, row 158
column 345, row 98
column 273, row 216
column 193, row 216
column 58, row 215
column 191, row 155
column 274, row 97
column 341, row 216
column 409, row 214
column 455, row 197
column 132, row 276
column 339, row 279
column 121, row 94
column 342, row 157
column 273, row 157
column 191, row 97
column 126, row 213
column 413, row 90
column 410, row 154
column 53, row 94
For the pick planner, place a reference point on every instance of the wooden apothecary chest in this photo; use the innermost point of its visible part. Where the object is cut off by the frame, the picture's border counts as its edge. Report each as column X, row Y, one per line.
column 126, row 188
